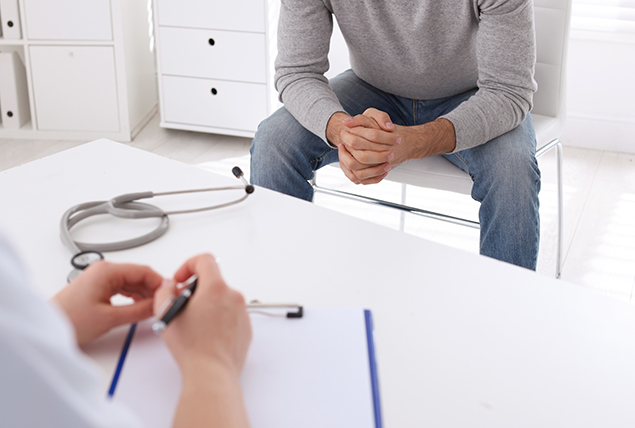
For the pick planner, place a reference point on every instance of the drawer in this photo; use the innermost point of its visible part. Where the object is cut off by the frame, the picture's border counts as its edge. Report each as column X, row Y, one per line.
column 213, row 54
column 75, row 88
column 68, row 19
column 237, row 15
column 240, row 106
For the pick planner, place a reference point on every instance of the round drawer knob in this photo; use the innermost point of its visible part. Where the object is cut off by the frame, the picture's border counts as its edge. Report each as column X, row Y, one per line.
column 10, row 113
column 211, row 42
column 10, row 23
column 214, row 91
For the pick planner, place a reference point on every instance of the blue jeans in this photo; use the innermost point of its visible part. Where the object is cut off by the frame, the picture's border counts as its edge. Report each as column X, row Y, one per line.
column 505, row 172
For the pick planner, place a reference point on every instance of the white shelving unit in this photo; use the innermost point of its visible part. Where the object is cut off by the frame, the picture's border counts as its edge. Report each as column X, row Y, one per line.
column 90, row 69
column 215, row 63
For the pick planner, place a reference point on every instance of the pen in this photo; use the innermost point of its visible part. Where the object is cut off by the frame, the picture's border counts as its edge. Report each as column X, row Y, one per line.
column 177, row 306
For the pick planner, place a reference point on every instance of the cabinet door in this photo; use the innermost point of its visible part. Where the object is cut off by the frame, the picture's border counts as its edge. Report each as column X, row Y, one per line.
column 204, row 102
column 215, row 54
column 238, row 15
column 75, row 88
column 68, row 19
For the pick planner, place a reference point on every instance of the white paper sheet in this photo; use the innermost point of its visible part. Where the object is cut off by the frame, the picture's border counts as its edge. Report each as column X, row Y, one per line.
column 311, row 372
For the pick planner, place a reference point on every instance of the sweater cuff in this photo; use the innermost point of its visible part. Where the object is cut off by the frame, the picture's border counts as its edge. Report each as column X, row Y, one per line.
column 470, row 127
column 319, row 117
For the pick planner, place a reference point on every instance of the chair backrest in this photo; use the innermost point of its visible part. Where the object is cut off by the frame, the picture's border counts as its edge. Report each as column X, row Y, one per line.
column 552, row 19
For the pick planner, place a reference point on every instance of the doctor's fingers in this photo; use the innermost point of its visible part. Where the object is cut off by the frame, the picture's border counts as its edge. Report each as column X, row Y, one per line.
column 205, row 267
column 124, row 277
column 202, row 265
column 165, row 293
column 126, row 314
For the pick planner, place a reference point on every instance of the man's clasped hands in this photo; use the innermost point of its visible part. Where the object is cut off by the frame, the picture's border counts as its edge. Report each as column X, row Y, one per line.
column 370, row 144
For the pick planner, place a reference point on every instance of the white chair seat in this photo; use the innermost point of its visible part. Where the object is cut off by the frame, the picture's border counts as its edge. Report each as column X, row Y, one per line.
column 434, row 172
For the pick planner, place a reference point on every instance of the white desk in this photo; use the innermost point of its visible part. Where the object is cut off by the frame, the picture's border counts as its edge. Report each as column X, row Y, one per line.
column 462, row 340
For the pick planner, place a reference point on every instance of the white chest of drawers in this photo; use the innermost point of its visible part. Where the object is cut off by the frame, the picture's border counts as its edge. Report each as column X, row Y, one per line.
column 214, row 61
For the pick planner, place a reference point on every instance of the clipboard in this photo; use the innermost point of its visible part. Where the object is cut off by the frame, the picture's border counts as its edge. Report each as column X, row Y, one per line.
column 318, row 370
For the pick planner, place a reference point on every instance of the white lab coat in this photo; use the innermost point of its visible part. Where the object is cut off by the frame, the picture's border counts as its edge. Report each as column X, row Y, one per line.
column 45, row 380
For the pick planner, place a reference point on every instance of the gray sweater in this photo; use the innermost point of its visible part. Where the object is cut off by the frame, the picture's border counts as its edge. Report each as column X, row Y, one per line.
column 419, row 49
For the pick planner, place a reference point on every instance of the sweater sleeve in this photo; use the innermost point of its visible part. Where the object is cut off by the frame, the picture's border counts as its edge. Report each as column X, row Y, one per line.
column 506, row 54
column 304, row 34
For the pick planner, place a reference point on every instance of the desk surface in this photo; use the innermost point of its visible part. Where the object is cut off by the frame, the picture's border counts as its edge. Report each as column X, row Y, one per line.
column 462, row 340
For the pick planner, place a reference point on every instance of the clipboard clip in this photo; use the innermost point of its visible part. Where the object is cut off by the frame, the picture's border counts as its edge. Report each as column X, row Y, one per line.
column 287, row 310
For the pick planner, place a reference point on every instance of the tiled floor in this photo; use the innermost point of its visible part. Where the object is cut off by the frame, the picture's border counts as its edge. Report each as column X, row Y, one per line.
column 599, row 232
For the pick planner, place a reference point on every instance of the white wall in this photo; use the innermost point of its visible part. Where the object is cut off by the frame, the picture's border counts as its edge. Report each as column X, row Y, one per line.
column 601, row 76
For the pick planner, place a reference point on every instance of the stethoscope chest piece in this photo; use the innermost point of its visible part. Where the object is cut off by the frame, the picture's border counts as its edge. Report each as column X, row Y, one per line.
column 81, row 261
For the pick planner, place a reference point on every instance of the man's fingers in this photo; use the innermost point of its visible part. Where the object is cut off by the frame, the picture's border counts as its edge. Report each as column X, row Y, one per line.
column 369, row 139
column 371, row 118
column 360, row 120
column 361, row 159
column 351, row 176
column 374, row 180
column 347, row 159
column 381, row 118
column 357, row 172
column 370, row 158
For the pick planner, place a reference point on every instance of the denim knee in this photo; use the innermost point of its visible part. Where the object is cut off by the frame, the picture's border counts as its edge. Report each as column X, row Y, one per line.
column 269, row 140
column 282, row 153
column 507, row 166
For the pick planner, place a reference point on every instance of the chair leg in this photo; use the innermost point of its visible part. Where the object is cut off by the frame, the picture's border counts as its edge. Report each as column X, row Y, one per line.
column 402, row 214
column 559, row 164
column 557, row 144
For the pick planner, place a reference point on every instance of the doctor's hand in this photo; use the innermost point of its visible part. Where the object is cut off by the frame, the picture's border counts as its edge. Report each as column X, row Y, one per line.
column 86, row 300
column 209, row 340
column 214, row 327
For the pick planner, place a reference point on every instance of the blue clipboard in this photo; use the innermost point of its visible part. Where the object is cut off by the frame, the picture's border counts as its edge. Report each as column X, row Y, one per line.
column 140, row 340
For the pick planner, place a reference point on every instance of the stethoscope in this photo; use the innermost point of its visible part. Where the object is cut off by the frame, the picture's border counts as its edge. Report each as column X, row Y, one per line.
column 125, row 206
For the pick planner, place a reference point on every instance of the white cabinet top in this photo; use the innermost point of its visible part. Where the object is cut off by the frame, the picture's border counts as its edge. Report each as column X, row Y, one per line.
column 237, row 15
column 68, row 19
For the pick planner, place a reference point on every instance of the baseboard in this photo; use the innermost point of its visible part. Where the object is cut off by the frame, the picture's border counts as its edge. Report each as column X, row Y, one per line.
column 599, row 134
column 143, row 122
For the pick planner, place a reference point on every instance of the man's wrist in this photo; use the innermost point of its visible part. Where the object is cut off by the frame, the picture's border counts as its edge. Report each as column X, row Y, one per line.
column 445, row 136
column 334, row 127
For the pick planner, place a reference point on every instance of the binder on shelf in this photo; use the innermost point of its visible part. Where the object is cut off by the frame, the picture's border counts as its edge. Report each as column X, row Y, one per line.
column 10, row 16
column 313, row 371
column 14, row 94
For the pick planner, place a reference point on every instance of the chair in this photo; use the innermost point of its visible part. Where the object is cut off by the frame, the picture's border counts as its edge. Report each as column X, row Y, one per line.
column 552, row 19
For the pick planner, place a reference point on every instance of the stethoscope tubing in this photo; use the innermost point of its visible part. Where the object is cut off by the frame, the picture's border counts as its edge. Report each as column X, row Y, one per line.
column 88, row 209
column 125, row 206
